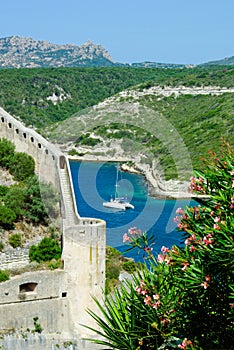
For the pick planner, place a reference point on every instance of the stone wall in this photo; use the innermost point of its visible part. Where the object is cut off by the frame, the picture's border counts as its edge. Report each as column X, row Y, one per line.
column 59, row 299
column 14, row 258
column 29, row 141
column 28, row 341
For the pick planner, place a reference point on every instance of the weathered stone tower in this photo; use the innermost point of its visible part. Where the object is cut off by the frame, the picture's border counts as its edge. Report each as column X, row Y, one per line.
column 58, row 299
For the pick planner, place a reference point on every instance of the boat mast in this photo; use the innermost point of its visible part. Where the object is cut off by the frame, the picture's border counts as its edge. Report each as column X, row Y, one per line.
column 116, row 181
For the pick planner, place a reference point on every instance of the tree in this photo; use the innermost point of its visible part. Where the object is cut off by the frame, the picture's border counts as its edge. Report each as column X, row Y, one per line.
column 7, row 217
column 22, row 166
column 7, row 150
column 41, row 200
column 46, row 250
column 15, row 200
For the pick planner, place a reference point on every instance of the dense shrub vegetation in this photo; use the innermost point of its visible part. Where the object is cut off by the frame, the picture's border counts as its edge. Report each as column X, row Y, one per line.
column 116, row 264
column 26, row 92
column 23, row 200
column 4, row 276
column 46, row 250
column 184, row 296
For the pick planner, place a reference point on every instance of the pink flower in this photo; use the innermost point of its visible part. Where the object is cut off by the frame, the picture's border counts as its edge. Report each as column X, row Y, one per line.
column 192, row 248
column 126, row 238
column 156, row 296
column 134, row 231
column 185, row 265
column 190, row 240
column 232, row 172
column 147, row 300
column 156, row 305
column 138, row 290
column 217, row 219
column 141, row 290
column 182, row 226
column 164, row 320
column 148, row 249
column 180, row 211
column 232, row 201
column 176, row 219
column 185, row 343
column 216, row 227
column 205, row 285
column 208, row 239
column 165, row 249
column 161, row 258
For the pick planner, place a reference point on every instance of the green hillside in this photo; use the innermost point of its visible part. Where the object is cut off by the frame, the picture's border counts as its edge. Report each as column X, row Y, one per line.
column 26, row 93
column 199, row 121
column 59, row 103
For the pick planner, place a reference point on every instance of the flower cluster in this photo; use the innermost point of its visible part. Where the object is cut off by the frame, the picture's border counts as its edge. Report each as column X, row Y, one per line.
column 164, row 256
column 205, row 284
column 186, row 344
column 132, row 234
column 197, row 185
column 153, row 300
column 137, row 238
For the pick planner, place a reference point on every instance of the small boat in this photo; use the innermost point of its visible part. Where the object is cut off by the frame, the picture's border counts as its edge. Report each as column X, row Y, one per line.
column 120, row 203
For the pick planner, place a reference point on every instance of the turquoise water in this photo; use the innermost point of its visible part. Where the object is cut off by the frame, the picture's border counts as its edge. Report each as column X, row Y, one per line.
column 94, row 183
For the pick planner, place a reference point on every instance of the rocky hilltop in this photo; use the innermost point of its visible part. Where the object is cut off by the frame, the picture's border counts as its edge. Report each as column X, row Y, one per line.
column 19, row 52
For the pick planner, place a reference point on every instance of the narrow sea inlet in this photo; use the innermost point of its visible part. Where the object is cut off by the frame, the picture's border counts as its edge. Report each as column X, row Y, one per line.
column 94, row 183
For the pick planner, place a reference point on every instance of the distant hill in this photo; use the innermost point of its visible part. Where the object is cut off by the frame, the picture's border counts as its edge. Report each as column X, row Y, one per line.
column 148, row 64
column 19, row 52
column 227, row 61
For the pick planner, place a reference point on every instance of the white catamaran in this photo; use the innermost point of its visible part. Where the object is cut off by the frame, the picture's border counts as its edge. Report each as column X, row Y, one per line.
column 119, row 203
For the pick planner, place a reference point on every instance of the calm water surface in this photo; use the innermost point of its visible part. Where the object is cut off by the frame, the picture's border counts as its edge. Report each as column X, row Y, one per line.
column 94, row 183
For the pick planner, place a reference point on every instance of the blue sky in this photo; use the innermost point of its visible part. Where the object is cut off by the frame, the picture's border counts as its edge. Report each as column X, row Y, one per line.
column 173, row 31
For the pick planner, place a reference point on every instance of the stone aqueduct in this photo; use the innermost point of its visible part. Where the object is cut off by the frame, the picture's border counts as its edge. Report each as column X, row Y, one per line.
column 60, row 298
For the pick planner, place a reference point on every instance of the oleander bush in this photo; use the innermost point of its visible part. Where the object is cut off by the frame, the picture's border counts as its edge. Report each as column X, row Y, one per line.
column 184, row 296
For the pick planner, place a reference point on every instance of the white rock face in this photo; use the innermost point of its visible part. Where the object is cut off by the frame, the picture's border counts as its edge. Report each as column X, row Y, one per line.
column 22, row 52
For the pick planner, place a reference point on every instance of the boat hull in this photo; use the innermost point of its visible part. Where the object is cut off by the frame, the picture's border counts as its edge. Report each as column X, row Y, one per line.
column 117, row 204
column 114, row 205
